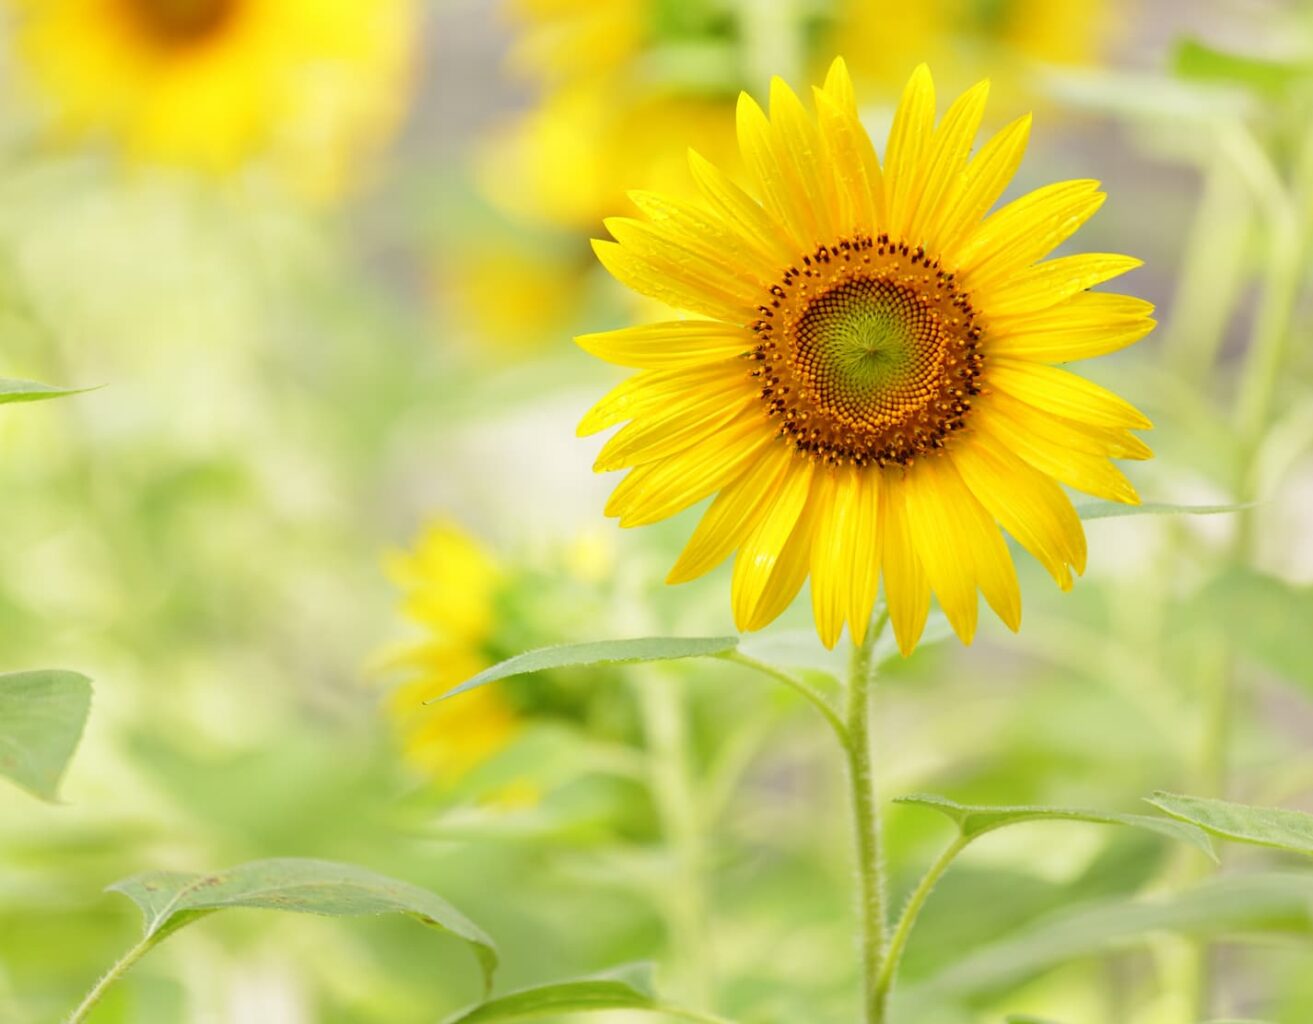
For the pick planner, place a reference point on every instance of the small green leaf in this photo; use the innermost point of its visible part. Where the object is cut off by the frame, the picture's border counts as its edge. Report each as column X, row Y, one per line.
column 1116, row 510
column 974, row 821
column 628, row 988
column 1260, row 826
column 603, row 652
column 169, row 900
column 42, row 715
column 30, row 391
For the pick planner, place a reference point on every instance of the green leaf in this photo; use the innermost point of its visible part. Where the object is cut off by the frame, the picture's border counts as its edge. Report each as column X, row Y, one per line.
column 1116, row 510
column 603, row 652
column 1197, row 60
column 42, row 715
column 30, row 391
column 1275, row 902
column 627, row 988
column 1259, row 826
column 170, row 900
column 974, row 821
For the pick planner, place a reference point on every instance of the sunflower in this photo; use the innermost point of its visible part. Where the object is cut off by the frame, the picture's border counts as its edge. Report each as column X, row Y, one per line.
column 210, row 83
column 868, row 386
column 449, row 586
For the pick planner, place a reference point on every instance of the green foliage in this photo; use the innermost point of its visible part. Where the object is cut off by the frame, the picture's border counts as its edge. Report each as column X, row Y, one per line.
column 170, row 900
column 30, row 391
column 42, row 715
column 603, row 652
column 976, row 821
column 1117, row 509
column 1258, row 826
column 626, row 988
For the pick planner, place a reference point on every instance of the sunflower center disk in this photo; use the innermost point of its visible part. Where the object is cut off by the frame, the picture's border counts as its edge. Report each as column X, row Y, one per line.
column 178, row 22
column 868, row 354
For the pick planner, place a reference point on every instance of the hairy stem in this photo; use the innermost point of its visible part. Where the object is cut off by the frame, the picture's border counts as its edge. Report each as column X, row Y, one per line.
column 866, row 823
column 111, row 976
column 911, row 911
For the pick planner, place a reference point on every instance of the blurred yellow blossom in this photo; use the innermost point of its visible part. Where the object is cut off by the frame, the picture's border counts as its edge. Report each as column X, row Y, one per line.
column 1003, row 40
column 449, row 587
column 310, row 85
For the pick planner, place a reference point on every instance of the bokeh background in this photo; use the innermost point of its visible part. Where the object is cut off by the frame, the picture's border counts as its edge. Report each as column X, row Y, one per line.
column 324, row 264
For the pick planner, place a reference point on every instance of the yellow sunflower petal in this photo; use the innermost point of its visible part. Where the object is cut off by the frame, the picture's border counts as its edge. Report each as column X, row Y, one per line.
column 850, row 151
column 1026, row 503
column 798, row 146
column 829, row 556
column 906, row 588
column 1030, row 434
column 680, row 290
column 949, row 149
column 780, row 194
column 662, row 433
column 713, row 235
column 734, row 515
column 1046, row 284
column 864, row 547
column 669, row 344
column 1086, row 325
column 741, row 210
column 657, row 490
column 789, row 574
column 760, row 553
column 654, row 389
column 686, row 259
column 983, row 182
column 1026, row 230
column 959, row 546
column 909, row 136
column 1065, row 394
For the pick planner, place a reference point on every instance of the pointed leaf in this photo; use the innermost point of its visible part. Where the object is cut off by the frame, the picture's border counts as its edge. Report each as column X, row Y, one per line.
column 42, row 715
column 974, row 821
column 602, row 652
column 30, row 391
column 170, row 900
column 1116, row 510
column 1259, row 826
column 627, row 988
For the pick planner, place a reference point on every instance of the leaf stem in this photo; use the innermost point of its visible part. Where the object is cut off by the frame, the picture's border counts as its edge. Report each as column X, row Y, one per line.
column 121, row 968
column 911, row 911
column 866, row 823
column 806, row 689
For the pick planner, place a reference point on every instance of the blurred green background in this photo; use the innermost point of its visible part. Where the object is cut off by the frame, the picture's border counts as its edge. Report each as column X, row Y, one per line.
column 332, row 469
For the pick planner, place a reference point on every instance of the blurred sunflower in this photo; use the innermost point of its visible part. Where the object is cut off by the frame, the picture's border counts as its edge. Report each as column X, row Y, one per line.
column 474, row 611
column 1005, row 39
column 870, row 388
column 310, row 85
column 449, row 585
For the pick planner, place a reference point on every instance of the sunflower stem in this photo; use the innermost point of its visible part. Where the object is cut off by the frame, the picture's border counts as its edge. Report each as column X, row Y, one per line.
column 872, row 923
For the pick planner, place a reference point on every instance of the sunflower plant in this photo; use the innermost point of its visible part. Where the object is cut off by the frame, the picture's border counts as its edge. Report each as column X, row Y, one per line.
column 863, row 377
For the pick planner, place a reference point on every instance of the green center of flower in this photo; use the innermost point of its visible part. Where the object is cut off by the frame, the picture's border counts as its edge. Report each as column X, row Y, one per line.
column 870, row 351
column 181, row 22
column 867, row 354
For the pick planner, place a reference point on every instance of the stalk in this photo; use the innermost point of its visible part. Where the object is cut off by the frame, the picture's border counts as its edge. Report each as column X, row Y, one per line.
column 866, row 824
